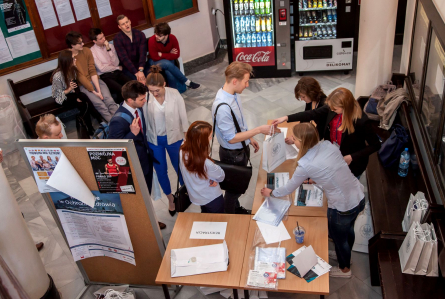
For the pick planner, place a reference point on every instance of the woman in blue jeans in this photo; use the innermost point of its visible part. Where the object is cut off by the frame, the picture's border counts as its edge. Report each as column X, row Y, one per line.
column 324, row 164
column 166, row 121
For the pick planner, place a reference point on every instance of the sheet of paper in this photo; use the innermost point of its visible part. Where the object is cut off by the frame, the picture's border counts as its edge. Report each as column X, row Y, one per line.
column 43, row 161
column 47, row 14
column 64, row 12
column 305, row 260
column 95, row 231
column 5, row 55
column 81, row 9
column 208, row 230
column 273, row 234
column 103, row 8
column 23, row 44
column 66, row 179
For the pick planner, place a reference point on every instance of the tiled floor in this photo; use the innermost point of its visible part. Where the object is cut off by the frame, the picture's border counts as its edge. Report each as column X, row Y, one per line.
column 264, row 99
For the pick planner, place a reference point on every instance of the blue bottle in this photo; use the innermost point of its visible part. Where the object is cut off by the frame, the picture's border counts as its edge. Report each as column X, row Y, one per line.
column 237, row 24
column 252, row 23
column 249, row 40
column 264, row 39
column 243, row 40
column 247, row 24
column 334, row 15
column 254, row 39
column 242, row 24
column 238, row 40
column 269, row 38
column 404, row 163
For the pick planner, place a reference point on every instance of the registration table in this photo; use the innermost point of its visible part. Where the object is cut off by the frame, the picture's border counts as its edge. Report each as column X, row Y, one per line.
column 239, row 238
column 288, row 166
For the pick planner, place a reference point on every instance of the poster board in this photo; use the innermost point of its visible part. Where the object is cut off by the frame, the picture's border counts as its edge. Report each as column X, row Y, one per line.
column 18, row 42
column 138, row 209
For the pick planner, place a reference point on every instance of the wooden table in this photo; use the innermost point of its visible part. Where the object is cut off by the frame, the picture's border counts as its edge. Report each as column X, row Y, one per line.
column 316, row 235
column 288, row 166
column 236, row 237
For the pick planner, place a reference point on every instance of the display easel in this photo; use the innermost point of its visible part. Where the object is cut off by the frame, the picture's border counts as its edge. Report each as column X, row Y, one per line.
column 138, row 210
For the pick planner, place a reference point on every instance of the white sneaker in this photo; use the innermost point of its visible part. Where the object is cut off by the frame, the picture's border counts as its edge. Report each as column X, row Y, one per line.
column 336, row 272
column 333, row 256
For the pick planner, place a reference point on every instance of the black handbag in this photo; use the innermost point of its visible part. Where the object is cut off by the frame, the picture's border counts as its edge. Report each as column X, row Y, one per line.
column 181, row 197
column 237, row 178
column 393, row 147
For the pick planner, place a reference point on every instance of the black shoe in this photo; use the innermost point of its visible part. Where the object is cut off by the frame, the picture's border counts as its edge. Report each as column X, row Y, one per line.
column 194, row 85
column 172, row 213
column 243, row 210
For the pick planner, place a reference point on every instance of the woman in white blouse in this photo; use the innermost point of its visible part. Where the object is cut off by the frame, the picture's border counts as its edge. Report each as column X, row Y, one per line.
column 166, row 121
column 201, row 176
column 324, row 164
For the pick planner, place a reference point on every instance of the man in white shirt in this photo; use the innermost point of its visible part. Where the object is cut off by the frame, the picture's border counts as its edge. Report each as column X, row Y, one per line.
column 107, row 63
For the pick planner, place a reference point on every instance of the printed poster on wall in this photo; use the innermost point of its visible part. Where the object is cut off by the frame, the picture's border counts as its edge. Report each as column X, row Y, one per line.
column 111, row 170
column 98, row 231
column 14, row 15
column 43, row 161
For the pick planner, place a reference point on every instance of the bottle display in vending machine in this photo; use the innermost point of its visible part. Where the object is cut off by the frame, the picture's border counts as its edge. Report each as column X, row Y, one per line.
column 254, row 17
column 317, row 19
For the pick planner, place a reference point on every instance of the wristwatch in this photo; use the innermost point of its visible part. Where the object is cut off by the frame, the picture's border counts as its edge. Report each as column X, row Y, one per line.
column 141, row 70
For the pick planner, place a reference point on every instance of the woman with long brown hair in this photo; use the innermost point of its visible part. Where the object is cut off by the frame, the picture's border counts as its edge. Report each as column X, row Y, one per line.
column 323, row 162
column 201, row 175
column 309, row 91
column 66, row 92
column 342, row 122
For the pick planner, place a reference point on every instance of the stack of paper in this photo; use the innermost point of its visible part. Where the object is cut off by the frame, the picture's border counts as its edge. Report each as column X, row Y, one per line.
column 309, row 195
column 273, row 255
column 305, row 263
column 199, row 260
column 272, row 211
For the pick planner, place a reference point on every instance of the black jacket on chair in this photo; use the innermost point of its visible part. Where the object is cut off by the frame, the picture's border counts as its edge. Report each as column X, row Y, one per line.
column 360, row 144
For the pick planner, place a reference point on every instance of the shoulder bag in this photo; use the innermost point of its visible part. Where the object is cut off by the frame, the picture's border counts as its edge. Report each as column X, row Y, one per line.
column 237, row 178
column 181, row 197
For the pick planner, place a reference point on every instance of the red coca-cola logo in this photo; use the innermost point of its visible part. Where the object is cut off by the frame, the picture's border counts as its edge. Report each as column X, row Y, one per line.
column 261, row 56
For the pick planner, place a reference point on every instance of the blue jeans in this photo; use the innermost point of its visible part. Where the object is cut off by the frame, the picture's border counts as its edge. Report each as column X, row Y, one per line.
column 161, row 168
column 215, row 206
column 175, row 78
column 133, row 76
column 341, row 230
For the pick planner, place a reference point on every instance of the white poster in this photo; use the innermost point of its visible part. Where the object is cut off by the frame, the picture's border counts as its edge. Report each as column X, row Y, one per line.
column 43, row 161
column 64, row 12
column 47, row 14
column 23, row 44
column 104, row 8
column 5, row 55
column 95, row 231
column 81, row 9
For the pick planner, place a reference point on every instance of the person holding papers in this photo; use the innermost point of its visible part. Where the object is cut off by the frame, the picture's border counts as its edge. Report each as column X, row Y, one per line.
column 201, row 176
column 323, row 162
column 342, row 122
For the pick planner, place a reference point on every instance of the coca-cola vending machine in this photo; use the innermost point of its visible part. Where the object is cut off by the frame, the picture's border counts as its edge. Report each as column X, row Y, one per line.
column 258, row 33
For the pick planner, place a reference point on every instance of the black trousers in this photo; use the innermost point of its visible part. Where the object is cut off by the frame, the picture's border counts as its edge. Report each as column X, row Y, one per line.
column 115, row 80
column 83, row 106
column 233, row 157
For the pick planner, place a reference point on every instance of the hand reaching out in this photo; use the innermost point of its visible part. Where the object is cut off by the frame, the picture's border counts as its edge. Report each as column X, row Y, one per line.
column 134, row 127
column 279, row 120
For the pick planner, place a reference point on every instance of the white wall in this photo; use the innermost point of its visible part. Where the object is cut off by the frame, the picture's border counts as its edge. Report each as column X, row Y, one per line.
column 196, row 35
column 407, row 36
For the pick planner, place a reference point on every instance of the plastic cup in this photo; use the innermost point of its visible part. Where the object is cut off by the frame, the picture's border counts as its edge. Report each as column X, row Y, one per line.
column 299, row 233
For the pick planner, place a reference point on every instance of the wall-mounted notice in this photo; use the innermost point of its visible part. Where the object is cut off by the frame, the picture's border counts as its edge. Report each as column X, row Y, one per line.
column 103, row 8
column 5, row 55
column 23, row 44
column 43, row 161
column 98, row 231
column 14, row 15
column 81, row 8
column 112, row 170
column 64, row 12
column 47, row 14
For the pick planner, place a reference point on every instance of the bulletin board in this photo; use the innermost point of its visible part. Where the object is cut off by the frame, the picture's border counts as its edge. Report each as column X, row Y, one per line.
column 138, row 209
column 18, row 43
column 165, row 8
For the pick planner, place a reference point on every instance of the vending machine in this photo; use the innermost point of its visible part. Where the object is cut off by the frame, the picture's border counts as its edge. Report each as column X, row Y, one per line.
column 323, row 38
column 258, row 33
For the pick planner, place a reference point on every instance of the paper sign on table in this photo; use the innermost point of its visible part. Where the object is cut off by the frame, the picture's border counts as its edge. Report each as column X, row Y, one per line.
column 208, row 230
column 66, row 179
column 305, row 260
column 273, row 234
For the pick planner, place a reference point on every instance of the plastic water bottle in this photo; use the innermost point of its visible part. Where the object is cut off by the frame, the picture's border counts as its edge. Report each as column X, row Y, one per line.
column 404, row 163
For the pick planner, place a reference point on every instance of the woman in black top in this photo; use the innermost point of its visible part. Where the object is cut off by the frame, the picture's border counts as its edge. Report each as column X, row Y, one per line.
column 342, row 122
column 308, row 90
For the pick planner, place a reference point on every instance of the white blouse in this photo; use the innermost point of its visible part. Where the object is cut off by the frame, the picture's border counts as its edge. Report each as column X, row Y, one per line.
column 159, row 112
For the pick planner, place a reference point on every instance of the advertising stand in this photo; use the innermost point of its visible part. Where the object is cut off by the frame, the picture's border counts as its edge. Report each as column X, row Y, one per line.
column 146, row 239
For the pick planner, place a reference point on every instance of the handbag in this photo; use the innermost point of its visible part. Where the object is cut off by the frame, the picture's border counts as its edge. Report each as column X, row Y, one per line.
column 274, row 151
column 181, row 197
column 237, row 178
column 415, row 210
column 391, row 149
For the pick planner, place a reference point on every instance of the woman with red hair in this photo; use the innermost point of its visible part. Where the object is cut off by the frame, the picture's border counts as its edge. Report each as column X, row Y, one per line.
column 201, row 175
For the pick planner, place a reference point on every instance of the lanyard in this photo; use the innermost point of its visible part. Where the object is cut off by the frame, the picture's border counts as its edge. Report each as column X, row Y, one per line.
column 340, row 119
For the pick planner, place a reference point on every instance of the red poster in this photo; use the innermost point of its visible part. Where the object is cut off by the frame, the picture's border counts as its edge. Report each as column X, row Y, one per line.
column 260, row 56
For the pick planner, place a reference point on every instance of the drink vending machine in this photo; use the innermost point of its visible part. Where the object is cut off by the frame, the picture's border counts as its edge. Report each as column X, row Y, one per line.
column 258, row 33
column 318, row 27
